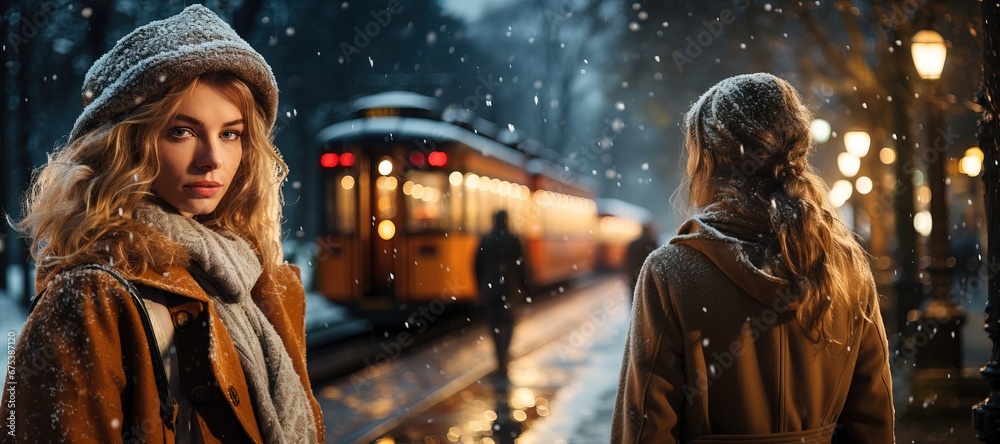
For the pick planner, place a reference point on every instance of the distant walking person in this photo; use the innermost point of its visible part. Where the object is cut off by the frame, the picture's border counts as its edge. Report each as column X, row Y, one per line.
column 637, row 252
column 501, row 275
column 759, row 321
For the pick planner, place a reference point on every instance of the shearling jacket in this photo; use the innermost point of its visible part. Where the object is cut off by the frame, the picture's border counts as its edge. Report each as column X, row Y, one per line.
column 714, row 353
column 82, row 370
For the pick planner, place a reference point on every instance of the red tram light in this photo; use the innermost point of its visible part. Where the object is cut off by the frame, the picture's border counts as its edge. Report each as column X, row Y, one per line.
column 328, row 160
column 437, row 158
column 347, row 159
column 417, row 159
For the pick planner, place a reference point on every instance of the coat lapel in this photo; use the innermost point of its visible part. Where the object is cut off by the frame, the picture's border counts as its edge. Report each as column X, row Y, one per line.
column 224, row 359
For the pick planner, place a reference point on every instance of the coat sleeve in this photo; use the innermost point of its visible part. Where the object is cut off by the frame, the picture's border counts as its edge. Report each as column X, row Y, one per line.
column 868, row 414
column 650, row 398
column 67, row 378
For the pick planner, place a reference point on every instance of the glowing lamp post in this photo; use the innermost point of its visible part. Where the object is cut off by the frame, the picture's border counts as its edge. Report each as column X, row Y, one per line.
column 929, row 51
column 857, row 143
column 848, row 164
column 972, row 163
column 986, row 414
column 820, row 130
column 943, row 350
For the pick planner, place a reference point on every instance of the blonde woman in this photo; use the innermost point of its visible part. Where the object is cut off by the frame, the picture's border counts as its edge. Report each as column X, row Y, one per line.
column 758, row 322
column 164, row 312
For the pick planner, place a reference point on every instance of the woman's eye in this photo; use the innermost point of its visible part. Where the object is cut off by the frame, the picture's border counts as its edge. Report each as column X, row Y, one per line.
column 179, row 132
column 231, row 135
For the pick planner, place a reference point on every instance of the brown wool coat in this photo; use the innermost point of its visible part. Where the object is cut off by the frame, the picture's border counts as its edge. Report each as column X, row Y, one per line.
column 714, row 351
column 82, row 371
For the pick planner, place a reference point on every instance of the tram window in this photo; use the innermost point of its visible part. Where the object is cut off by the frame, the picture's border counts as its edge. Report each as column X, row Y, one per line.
column 341, row 204
column 428, row 195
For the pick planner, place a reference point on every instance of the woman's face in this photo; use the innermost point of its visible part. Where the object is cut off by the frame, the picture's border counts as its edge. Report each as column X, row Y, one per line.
column 199, row 151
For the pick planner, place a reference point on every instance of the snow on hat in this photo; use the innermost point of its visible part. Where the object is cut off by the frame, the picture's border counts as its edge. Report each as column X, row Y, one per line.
column 148, row 61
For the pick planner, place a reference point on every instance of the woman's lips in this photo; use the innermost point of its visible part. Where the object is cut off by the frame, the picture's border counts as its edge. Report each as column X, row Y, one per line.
column 205, row 188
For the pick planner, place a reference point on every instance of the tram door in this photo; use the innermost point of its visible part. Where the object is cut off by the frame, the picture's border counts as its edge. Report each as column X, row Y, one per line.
column 386, row 226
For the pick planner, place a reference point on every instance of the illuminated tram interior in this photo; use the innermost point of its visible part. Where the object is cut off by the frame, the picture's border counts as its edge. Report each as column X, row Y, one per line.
column 407, row 197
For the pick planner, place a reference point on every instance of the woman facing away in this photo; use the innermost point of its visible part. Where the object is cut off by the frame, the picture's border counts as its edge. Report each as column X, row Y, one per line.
column 170, row 180
column 758, row 322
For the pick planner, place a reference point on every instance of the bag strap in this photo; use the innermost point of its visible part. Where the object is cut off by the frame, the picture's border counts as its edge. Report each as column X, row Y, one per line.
column 168, row 405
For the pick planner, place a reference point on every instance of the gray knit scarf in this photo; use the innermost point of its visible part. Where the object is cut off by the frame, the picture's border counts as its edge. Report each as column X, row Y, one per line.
column 227, row 268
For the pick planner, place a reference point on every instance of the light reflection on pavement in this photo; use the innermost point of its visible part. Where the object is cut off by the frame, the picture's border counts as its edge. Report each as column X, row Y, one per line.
column 552, row 344
column 562, row 392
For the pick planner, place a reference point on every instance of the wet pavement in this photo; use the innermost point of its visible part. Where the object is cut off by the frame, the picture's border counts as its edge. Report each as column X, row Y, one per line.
column 561, row 390
column 445, row 387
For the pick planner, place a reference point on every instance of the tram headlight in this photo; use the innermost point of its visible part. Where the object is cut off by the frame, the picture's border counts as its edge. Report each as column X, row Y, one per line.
column 386, row 229
column 385, row 167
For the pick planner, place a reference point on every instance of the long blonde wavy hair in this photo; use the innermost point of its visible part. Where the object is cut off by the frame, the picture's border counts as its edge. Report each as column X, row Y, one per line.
column 80, row 206
column 748, row 142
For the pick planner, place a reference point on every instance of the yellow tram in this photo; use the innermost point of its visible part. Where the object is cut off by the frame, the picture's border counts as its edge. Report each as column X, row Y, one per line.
column 407, row 196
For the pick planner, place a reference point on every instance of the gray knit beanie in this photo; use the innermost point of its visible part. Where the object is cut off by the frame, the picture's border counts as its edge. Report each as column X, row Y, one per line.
column 144, row 64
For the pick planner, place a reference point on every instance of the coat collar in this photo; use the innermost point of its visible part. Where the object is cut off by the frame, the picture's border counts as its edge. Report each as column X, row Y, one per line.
column 175, row 280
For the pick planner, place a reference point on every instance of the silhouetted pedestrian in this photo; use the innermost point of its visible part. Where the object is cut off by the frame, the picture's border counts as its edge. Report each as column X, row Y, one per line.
column 637, row 252
column 501, row 276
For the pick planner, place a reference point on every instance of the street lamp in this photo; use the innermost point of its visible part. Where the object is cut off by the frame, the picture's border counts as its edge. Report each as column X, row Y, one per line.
column 840, row 192
column 820, row 130
column 887, row 155
column 929, row 51
column 972, row 163
column 857, row 143
column 943, row 350
column 986, row 414
column 848, row 164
